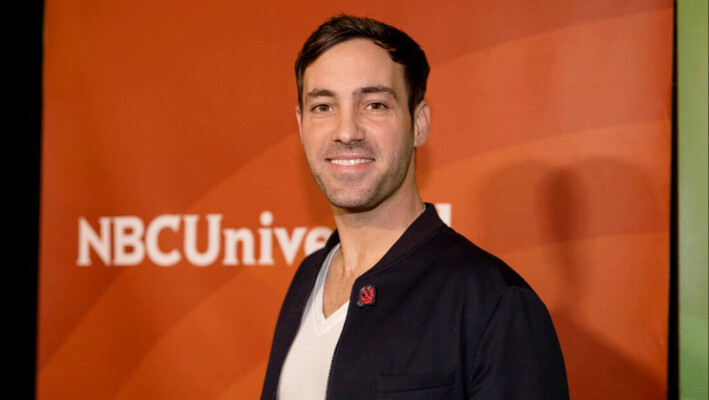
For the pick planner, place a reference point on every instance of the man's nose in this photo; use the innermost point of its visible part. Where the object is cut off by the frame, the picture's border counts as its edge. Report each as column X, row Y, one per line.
column 348, row 128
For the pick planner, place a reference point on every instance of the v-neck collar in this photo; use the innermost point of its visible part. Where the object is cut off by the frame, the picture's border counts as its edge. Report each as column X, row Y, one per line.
column 322, row 323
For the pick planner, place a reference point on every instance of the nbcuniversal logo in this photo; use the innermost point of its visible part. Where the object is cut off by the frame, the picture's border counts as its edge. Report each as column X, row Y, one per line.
column 127, row 241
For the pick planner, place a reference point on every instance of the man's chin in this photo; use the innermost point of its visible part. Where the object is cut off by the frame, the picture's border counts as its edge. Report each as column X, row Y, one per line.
column 354, row 205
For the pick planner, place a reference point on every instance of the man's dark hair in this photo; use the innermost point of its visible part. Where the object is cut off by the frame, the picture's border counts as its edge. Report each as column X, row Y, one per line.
column 402, row 49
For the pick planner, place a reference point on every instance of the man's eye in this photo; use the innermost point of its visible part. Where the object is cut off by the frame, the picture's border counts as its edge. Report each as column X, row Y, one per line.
column 321, row 108
column 376, row 106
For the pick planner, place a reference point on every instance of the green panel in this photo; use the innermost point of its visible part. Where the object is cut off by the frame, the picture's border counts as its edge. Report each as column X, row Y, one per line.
column 693, row 133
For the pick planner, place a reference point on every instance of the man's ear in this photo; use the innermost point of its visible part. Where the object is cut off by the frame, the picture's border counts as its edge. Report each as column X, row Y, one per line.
column 422, row 123
column 298, row 117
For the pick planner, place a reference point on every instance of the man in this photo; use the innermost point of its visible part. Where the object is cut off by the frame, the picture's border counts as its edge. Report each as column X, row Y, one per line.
column 397, row 305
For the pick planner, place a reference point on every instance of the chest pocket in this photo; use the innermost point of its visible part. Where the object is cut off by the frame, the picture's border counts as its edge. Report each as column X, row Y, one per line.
column 428, row 386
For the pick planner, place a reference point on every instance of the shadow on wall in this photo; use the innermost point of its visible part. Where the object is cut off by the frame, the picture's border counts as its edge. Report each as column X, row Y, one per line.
column 533, row 204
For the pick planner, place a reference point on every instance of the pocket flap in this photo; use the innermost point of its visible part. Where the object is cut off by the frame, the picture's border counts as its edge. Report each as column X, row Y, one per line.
column 418, row 381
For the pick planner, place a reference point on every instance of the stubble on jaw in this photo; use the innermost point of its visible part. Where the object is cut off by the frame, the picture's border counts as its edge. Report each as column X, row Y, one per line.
column 383, row 186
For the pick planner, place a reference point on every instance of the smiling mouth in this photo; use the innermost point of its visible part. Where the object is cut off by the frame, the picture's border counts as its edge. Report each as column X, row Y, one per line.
column 354, row 161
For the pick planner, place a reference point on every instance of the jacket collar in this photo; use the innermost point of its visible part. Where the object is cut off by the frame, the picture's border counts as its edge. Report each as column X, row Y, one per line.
column 422, row 227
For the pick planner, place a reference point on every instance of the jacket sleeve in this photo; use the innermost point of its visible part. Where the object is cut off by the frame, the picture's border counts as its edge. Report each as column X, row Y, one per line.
column 518, row 355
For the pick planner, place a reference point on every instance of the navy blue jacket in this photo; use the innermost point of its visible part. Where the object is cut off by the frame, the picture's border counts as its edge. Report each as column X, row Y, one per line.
column 448, row 321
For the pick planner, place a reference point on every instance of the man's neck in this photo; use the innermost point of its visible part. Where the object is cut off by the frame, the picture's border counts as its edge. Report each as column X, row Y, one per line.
column 366, row 236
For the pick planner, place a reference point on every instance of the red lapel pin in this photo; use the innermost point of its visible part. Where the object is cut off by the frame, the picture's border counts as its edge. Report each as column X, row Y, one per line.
column 367, row 296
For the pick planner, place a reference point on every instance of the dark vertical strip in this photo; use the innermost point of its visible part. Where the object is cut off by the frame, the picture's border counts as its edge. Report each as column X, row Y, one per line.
column 673, row 318
column 29, row 165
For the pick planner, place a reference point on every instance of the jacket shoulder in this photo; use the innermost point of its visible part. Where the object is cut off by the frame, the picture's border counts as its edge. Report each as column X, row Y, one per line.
column 460, row 258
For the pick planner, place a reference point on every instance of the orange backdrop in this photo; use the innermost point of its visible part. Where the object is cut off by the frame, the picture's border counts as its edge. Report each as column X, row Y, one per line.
column 550, row 142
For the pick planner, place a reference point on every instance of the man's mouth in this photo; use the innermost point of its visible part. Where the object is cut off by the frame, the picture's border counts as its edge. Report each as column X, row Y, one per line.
column 353, row 161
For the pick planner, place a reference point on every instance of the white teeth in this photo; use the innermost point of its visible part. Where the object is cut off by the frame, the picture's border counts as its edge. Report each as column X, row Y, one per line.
column 351, row 162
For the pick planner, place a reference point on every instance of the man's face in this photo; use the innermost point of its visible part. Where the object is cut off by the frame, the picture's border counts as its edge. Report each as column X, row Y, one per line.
column 356, row 128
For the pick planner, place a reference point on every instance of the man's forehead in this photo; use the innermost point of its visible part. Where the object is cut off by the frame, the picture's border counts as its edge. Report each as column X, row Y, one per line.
column 355, row 66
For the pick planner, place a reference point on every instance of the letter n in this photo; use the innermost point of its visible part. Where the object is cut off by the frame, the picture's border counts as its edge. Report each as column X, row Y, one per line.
column 88, row 238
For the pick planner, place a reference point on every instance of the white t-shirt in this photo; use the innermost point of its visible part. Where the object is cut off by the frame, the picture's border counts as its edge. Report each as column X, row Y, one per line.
column 307, row 366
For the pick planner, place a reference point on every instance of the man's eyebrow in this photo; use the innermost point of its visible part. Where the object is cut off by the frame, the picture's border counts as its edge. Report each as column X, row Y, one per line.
column 376, row 89
column 320, row 93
